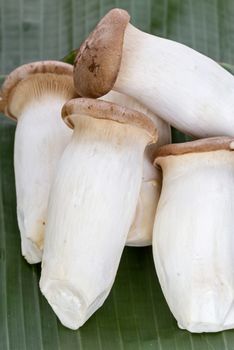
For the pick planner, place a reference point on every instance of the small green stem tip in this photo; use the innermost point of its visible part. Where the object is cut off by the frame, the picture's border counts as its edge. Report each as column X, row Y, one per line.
column 70, row 57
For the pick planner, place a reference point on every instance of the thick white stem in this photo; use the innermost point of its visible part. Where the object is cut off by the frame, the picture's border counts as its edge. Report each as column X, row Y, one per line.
column 40, row 139
column 141, row 230
column 193, row 239
column 140, row 233
column 91, row 207
column 187, row 89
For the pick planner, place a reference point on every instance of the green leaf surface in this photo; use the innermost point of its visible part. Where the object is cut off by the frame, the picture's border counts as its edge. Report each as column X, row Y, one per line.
column 228, row 67
column 135, row 315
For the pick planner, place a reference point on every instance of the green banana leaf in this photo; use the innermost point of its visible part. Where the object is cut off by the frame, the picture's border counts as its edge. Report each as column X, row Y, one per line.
column 228, row 67
column 135, row 316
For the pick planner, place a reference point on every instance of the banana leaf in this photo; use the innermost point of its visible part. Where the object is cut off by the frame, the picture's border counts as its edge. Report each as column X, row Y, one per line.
column 135, row 316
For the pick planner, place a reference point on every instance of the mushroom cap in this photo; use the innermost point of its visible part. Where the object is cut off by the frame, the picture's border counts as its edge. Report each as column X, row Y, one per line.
column 198, row 146
column 29, row 73
column 100, row 109
column 97, row 63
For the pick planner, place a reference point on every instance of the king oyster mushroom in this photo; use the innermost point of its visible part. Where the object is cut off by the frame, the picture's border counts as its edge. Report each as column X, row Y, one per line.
column 193, row 239
column 140, row 233
column 187, row 89
column 33, row 94
column 92, row 205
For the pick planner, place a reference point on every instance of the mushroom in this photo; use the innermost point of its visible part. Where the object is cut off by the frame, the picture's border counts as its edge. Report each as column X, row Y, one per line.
column 193, row 233
column 33, row 94
column 92, row 204
column 187, row 89
column 141, row 230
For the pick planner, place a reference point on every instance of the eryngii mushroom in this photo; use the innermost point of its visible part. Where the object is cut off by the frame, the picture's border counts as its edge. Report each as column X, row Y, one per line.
column 92, row 204
column 34, row 94
column 193, row 233
column 140, row 233
column 187, row 89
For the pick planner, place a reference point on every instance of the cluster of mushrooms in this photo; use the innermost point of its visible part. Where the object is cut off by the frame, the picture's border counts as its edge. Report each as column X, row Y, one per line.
column 105, row 174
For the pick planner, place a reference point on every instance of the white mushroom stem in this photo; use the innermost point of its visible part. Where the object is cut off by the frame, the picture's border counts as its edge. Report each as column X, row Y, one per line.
column 187, row 89
column 193, row 239
column 91, row 208
column 40, row 139
column 34, row 94
column 141, row 230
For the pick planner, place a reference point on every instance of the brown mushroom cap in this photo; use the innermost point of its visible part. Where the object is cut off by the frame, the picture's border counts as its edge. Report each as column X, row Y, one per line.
column 198, row 146
column 44, row 72
column 98, row 61
column 107, row 110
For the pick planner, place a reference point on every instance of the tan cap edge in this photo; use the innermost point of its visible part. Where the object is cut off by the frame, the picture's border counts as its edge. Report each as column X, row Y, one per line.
column 98, row 61
column 26, row 70
column 198, row 146
column 100, row 109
